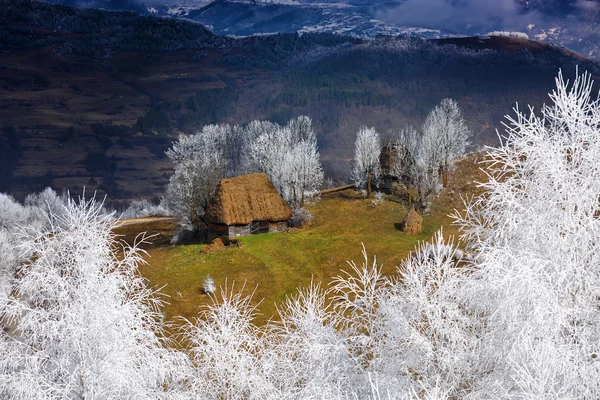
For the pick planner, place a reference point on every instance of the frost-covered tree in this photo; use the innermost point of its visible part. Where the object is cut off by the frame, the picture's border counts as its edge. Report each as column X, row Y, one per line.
column 200, row 163
column 12, row 213
column 84, row 325
column 536, row 232
column 268, row 151
column 288, row 155
column 367, row 149
column 309, row 358
column 404, row 165
column 266, row 147
column 47, row 202
column 235, row 148
column 303, row 172
column 445, row 137
column 14, row 218
column 404, row 158
column 227, row 350
column 426, row 334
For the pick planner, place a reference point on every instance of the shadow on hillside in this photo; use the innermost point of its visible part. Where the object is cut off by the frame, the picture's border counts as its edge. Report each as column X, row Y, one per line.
column 187, row 238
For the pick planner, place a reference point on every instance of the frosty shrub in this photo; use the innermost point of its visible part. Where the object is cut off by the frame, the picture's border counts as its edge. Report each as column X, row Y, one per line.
column 227, row 350
column 379, row 198
column 14, row 220
column 10, row 257
column 145, row 208
column 301, row 217
column 519, row 35
column 47, row 202
column 209, row 285
column 308, row 356
column 87, row 326
column 365, row 337
column 12, row 213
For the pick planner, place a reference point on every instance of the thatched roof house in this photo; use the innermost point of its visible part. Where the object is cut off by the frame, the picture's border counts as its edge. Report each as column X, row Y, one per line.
column 247, row 204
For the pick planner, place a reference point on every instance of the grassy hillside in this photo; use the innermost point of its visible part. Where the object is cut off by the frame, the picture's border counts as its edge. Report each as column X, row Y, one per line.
column 275, row 265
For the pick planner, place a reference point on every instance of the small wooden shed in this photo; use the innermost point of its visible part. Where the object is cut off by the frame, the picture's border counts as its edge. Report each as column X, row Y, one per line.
column 245, row 205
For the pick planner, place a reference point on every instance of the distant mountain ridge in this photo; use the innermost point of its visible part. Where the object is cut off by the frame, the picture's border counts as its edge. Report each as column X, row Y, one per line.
column 115, row 88
column 574, row 24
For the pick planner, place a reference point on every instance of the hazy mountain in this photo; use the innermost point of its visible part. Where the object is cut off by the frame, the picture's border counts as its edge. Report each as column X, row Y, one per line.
column 570, row 23
column 115, row 88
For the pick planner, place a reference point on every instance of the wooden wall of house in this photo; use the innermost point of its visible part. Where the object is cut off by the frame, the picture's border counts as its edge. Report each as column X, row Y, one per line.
column 278, row 226
column 239, row 230
column 244, row 230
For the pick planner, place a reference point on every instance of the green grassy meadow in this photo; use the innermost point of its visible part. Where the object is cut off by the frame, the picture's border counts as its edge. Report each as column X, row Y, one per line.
column 272, row 266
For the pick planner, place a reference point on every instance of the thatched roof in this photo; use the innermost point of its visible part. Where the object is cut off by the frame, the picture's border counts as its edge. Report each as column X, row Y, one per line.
column 241, row 200
column 388, row 156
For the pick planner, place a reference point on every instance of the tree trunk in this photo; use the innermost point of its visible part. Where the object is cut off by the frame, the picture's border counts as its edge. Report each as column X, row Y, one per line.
column 445, row 176
column 369, row 184
column 294, row 196
column 195, row 221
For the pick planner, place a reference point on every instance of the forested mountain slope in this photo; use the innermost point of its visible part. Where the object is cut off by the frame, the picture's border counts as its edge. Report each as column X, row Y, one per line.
column 93, row 98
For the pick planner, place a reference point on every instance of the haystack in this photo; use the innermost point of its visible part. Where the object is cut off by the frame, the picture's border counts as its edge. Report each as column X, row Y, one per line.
column 248, row 202
column 413, row 223
column 214, row 246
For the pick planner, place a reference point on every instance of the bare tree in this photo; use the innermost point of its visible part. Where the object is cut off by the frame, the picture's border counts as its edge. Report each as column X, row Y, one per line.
column 367, row 149
column 445, row 137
